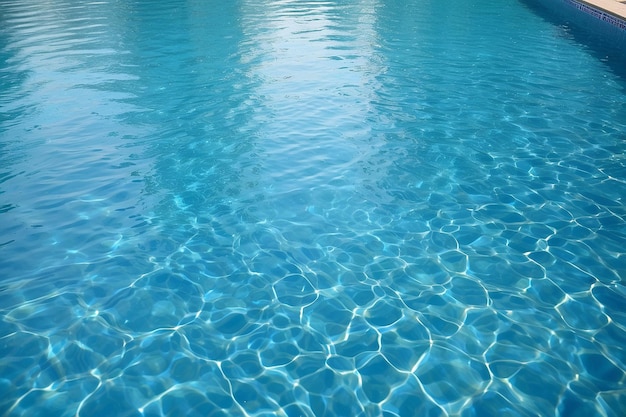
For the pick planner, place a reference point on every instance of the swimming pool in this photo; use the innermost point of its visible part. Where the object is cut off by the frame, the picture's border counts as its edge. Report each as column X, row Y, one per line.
column 341, row 208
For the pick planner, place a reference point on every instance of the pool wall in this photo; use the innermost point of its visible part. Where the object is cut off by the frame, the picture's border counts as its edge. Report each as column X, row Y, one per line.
column 601, row 32
column 597, row 22
column 598, row 13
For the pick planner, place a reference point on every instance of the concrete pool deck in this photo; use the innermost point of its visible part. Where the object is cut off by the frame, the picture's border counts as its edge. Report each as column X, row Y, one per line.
column 614, row 7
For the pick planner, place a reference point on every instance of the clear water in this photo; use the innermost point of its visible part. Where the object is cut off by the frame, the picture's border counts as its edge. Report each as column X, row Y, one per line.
column 340, row 208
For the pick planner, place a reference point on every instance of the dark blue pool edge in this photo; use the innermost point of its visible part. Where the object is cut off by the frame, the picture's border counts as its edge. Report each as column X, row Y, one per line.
column 590, row 24
column 599, row 13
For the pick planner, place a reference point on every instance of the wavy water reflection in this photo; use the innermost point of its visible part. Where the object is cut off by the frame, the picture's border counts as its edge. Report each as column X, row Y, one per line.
column 307, row 208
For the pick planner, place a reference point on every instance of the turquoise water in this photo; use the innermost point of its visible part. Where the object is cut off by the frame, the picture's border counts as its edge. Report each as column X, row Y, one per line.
column 290, row 208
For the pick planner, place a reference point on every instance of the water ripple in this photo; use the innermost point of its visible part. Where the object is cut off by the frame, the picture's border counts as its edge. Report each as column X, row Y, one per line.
column 308, row 208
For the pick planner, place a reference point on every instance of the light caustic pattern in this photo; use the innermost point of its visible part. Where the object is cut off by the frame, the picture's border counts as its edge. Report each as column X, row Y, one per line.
column 292, row 208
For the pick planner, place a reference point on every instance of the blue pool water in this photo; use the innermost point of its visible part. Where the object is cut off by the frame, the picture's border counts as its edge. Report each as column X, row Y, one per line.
column 309, row 208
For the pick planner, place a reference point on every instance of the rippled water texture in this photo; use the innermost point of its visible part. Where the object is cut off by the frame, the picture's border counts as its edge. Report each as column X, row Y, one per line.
column 340, row 208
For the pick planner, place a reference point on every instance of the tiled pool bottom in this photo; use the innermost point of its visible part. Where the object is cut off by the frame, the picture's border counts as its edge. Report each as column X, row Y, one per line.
column 320, row 209
column 433, row 303
column 451, row 307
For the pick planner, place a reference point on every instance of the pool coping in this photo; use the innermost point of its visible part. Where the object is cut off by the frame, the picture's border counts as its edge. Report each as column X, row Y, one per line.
column 609, row 11
column 615, row 7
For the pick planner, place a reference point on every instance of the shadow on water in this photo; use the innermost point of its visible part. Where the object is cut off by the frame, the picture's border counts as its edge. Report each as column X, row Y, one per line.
column 605, row 42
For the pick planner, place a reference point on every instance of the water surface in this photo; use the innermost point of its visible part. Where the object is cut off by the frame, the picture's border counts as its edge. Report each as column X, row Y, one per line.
column 351, row 208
